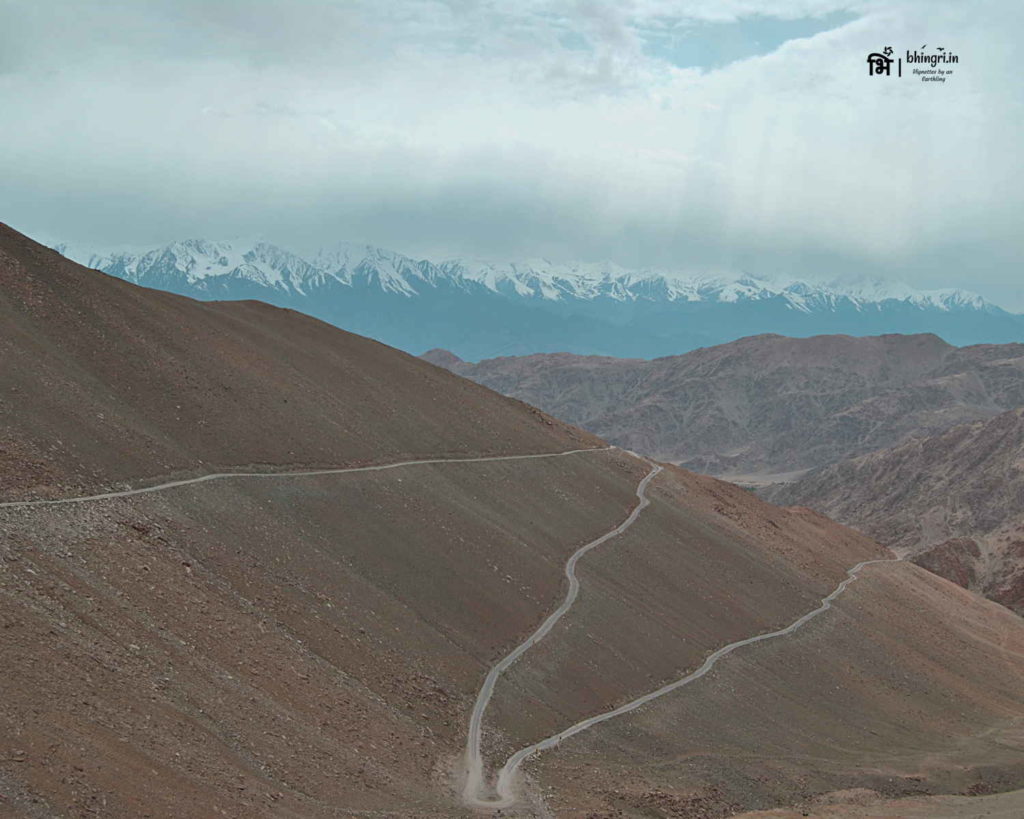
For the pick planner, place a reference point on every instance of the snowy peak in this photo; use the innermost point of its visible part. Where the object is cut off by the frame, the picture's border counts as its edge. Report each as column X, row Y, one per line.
column 365, row 265
column 867, row 290
column 199, row 264
column 196, row 262
column 539, row 278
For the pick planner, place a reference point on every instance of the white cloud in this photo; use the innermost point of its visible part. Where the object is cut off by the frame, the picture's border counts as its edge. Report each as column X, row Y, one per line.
column 531, row 128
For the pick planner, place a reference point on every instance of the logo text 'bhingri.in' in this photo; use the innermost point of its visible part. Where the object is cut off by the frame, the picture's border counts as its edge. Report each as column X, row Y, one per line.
column 881, row 63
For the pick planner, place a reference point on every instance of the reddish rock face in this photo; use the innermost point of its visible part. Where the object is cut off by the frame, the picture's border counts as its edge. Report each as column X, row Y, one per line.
column 955, row 560
column 1008, row 588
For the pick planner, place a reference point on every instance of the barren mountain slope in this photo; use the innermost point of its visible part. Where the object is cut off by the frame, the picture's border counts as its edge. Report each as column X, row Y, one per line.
column 105, row 381
column 953, row 501
column 766, row 404
column 887, row 668
column 312, row 645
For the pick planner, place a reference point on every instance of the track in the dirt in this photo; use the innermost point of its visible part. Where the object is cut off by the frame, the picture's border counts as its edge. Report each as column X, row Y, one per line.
column 217, row 476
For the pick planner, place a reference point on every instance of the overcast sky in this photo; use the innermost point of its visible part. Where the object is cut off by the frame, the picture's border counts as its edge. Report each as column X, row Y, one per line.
column 709, row 135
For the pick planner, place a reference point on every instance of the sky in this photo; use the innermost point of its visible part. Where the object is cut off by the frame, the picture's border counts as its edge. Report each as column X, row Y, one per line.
column 705, row 136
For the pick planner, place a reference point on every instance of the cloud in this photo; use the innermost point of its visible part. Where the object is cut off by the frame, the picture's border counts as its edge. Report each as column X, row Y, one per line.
column 497, row 129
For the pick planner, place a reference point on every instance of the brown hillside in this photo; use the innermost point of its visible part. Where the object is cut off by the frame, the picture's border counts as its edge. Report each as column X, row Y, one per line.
column 105, row 382
column 311, row 646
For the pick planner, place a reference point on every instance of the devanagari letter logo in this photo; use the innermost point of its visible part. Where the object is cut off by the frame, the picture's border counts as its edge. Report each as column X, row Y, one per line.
column 879, row 63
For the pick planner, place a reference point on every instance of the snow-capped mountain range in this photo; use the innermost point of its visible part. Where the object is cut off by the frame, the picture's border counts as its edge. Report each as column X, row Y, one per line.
column 536, row 305
column 199, row 263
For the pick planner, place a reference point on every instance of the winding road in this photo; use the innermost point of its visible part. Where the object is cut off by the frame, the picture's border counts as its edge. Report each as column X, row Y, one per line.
column 475, row 779
column 216, row 476
column 474, row 761
column 504, row 785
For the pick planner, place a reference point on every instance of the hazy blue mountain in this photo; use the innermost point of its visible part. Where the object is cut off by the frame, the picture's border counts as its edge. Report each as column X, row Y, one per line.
column 480, row 309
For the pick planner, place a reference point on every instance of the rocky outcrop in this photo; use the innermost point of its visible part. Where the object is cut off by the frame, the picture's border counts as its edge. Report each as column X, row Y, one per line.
column 955, row 559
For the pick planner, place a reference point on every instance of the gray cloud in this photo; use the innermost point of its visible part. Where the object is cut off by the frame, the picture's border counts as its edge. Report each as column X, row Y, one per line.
column 512, row 130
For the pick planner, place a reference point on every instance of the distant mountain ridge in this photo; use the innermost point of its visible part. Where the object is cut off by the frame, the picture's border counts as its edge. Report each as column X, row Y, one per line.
column 915, row 442
column 766, row 404
column 482, row 309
